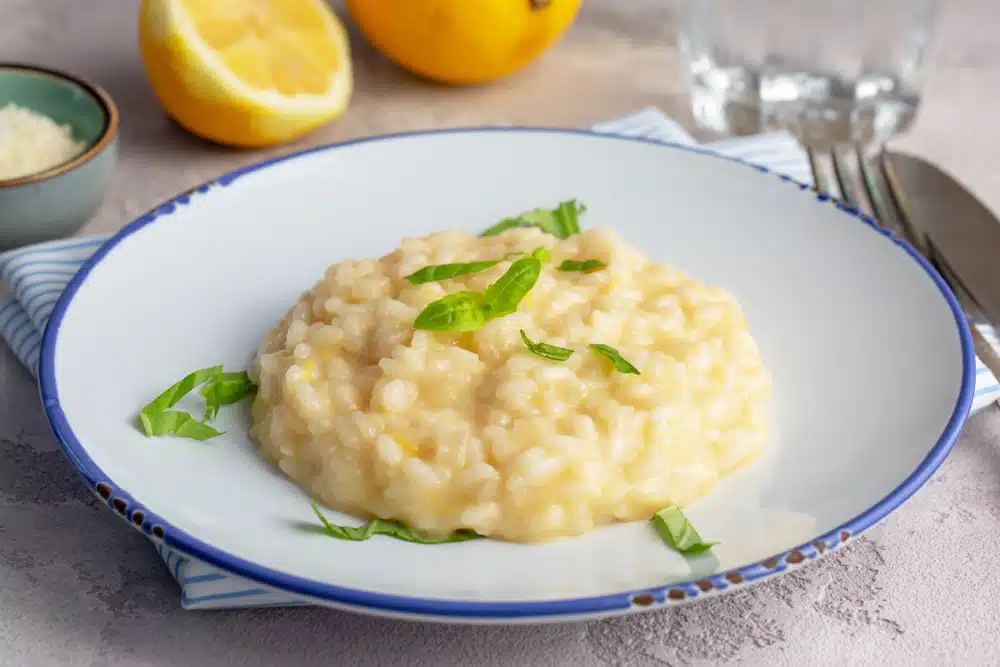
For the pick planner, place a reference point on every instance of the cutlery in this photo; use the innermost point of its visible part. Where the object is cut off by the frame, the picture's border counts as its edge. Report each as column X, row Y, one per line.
column 956, row 227
column 933, row 212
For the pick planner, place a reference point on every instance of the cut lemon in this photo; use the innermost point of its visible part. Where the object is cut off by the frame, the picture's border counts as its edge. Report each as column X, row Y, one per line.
column 246, row 72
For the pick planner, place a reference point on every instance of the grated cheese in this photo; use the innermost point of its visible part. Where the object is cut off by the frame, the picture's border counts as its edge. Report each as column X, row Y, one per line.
column 31, row 143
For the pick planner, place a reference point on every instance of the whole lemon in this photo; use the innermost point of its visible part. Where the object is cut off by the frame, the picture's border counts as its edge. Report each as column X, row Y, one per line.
column 462, row 41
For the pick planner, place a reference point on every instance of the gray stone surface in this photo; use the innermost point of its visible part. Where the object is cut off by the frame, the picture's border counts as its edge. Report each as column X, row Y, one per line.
column 78, row 587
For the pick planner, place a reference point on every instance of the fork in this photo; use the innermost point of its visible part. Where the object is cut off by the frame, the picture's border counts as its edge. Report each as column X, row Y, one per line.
column 859, row 177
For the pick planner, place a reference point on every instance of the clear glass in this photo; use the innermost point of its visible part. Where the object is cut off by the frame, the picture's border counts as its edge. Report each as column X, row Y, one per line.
column 829, row 71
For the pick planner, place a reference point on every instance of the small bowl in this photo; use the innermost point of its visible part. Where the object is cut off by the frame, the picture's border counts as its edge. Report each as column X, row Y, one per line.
column 56, row 202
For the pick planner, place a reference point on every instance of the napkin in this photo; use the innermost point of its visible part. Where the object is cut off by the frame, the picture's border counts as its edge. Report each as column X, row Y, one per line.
column 37, row 275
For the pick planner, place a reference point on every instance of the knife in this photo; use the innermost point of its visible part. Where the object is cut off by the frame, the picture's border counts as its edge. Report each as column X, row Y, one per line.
column 953, row 227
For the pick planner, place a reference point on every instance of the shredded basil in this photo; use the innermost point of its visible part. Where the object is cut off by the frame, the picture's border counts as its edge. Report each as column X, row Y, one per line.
column 541, row 254
column 437, row 272
column 502, row 297
column 219, row 389
column 225, row 389
column 678, row 533
column 553, row 352
column 616, row 358
column 469, row 311
column 502, row 226
column 586, row 266
column 389, row 528
column 180, row 424
column 568, row 217
column 462, row 311
column 179, row 390
column 562, row 222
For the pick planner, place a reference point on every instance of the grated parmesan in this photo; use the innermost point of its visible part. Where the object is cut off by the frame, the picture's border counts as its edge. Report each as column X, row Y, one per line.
column 31, row 143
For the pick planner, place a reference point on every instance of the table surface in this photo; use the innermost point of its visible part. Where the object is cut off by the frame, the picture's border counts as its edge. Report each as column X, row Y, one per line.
column 78, row 587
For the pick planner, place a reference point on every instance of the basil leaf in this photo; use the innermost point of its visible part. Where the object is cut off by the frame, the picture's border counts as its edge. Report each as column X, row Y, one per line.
column 568, row 217
column 503, row 296
column 225, row 389
column 502, row 226
column 541, row 254
column 156, row 420
column 430, row 274
column 182, row 388
column 219, row 389
column 586, row 266
column 462, row 311
column 553, row 352
column 611, row 353
column 562, row 222
column 678, row 533
column 180, row 424
column 389, row 528
column 544, row 219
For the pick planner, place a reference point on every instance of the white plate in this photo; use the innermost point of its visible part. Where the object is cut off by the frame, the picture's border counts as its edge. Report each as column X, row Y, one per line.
column 871, row 360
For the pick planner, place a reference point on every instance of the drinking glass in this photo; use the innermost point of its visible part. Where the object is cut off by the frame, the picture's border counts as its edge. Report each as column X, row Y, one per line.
column 829, row 71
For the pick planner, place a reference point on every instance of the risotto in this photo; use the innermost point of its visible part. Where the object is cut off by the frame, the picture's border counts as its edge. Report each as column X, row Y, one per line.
column 449, row 430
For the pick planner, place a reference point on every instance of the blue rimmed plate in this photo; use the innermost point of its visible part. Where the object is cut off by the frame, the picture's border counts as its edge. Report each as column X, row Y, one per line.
column 872, row 365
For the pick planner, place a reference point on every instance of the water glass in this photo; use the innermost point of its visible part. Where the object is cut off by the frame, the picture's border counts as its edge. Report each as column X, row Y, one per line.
column 830, row 71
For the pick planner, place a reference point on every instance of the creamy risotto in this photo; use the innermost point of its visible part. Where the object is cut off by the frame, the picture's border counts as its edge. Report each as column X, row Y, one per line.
column 447, row 431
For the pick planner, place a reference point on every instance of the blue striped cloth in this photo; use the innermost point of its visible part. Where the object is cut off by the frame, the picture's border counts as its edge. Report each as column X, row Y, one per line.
column 35, row 277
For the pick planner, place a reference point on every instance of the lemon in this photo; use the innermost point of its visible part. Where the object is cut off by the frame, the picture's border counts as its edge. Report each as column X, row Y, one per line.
column 462, row 41
column 246, row 72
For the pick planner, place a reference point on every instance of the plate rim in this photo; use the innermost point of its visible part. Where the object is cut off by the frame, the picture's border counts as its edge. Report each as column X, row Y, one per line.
column 163, row 533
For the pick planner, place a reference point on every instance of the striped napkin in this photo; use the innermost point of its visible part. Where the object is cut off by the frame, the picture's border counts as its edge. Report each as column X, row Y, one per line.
column 36, row 276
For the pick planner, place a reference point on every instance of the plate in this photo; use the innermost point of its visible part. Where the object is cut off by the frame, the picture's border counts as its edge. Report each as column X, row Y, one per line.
column 872, row 364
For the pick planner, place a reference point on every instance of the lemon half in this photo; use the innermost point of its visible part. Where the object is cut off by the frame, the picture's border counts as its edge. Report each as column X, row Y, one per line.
column 246, row 72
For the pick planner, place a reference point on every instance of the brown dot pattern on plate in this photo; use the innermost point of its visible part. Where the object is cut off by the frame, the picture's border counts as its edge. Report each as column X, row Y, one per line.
column 820, row 546
column 103, row 490
column 796, row 557
column 138, row 517
column 770, row 563
column 119, row 505
column 734, row 578
column 705, row 585
column 676, row 594
column 844, row 536
column 158, row 531
column 197, row 189
column 643, row 599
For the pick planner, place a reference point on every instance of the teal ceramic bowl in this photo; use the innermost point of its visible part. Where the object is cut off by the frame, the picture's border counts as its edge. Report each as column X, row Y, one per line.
column 56, row 202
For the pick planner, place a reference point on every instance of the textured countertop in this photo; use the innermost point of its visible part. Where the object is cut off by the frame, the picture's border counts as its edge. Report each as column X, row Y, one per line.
column 78, row 587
